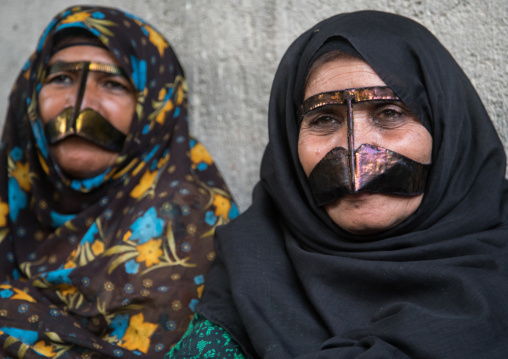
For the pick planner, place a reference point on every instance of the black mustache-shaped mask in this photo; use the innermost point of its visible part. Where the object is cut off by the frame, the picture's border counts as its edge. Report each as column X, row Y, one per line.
column 369, row 168
column 376, row 170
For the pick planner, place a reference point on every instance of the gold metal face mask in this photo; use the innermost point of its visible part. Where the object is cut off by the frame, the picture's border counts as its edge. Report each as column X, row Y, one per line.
column 87, row 124
column 369, row 168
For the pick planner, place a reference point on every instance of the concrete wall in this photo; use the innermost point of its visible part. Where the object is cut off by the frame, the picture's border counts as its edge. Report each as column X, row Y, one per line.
column 231, row 48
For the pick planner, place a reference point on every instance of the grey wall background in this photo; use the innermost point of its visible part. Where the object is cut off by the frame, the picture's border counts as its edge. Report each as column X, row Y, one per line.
column 230, row 50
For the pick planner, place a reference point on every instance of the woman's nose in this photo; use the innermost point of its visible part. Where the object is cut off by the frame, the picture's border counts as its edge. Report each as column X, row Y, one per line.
column 90, row 96
column 363, row 132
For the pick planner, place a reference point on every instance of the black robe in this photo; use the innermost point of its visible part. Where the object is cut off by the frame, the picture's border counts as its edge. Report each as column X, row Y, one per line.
column 288, row 282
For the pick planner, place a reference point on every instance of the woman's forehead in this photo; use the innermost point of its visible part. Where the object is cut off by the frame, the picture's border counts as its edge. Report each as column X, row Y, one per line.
column 80, row 53
column 341, row 73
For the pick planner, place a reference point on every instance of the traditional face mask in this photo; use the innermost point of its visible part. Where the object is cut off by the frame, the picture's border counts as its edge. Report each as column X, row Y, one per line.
column 87, row 124
column 369, row 168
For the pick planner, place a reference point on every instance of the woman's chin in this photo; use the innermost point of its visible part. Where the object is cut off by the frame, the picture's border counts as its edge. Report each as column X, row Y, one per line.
column 82, row 173
column 369, row 213
column 79, row 158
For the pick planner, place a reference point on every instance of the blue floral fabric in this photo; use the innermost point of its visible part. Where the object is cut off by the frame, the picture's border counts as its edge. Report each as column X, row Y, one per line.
column 109, row 266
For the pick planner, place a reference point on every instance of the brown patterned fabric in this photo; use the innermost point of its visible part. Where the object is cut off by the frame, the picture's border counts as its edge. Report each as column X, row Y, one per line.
column 110, row 266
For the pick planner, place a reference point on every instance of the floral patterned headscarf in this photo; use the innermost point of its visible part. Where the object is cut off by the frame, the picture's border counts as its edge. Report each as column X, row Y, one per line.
column 111, row 265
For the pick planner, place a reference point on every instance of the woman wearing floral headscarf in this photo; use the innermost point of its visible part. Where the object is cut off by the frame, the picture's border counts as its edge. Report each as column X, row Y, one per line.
column 107, row 205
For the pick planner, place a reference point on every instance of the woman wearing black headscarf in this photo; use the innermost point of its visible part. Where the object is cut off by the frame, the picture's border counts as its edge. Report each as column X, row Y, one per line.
column 107, row 204
column 336, row 262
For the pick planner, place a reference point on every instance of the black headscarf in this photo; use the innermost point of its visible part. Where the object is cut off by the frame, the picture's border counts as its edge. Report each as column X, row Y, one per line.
column 288, row 282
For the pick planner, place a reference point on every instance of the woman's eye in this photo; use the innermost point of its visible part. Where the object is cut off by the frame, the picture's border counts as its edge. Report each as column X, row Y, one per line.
column 390, row 114
column 113, row 84
column 389, row 117
column 60, row 79
column 116, row 85
column 324, row 120
column 317, row 119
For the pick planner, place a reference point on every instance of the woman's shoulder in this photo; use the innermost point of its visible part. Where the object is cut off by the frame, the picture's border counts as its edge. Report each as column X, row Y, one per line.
column 205, row 339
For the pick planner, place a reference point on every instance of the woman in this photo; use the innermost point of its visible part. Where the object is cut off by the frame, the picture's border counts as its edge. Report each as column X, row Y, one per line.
column 380, row 224
column 108, row 206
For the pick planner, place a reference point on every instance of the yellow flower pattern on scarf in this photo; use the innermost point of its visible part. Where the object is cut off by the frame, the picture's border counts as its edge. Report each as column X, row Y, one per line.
column 150, row 252
column 21, row 173
column 97, row 247
column 156, row 39
column 87, row 18
column 181, row 93
column 168, row 101
column 20, row 295
column 137, row 336
column 222, row 205
column 67, row 289
column 43, row 349
column 144, row 184
column 168, row 106
column 165, row 109
column 79, row 16
column 4, row 211
column 200, row 154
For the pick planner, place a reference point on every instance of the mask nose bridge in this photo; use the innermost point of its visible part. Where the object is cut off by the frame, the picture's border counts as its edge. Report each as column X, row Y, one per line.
column 349, row 96
column 80, row 92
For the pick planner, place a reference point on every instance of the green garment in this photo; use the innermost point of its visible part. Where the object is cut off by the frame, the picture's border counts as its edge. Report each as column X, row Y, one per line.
column 204, row 339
